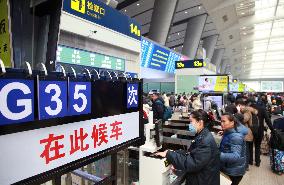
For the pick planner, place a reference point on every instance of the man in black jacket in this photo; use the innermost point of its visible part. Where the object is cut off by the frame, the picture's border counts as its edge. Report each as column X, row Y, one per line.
column 201, row 162
column 262, row 115
column 157, row 106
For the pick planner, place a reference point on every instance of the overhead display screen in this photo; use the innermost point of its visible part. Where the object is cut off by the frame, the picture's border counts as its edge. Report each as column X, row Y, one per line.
column 234, row 87
column 271, row 86
column 156, row 57
column 213, row 83
column 76, row 56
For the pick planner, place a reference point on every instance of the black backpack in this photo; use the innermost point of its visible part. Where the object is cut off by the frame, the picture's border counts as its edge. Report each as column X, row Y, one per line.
column 255, row 125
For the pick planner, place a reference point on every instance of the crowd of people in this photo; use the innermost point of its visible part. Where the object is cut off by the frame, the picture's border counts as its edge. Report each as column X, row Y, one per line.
column 243, row 127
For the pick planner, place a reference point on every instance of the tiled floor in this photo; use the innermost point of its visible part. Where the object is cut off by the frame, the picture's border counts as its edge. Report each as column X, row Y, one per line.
column 262, row 175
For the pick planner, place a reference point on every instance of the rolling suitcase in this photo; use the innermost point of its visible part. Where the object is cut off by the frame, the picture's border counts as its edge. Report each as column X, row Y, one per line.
column 265, row 147
column 277, row 161
column 277, row 146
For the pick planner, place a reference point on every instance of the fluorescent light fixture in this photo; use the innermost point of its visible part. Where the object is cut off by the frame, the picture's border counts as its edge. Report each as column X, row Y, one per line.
column 199, row 7
column 125, row 10
column 243, row 13
column 244, row 33
column 178, row 33
column 242, row 4
column 138, row 4
column 244, row 27
column 185, row 12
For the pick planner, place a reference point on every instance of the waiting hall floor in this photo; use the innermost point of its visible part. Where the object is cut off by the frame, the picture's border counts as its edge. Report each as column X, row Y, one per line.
column 262, row 175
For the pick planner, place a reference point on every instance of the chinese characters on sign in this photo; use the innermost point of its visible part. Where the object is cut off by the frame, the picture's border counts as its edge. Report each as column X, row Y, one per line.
column 5, row 50
column 132, row 95
column 78, row 140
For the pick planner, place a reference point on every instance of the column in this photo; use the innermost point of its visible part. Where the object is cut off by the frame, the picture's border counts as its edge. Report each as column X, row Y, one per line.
column 209, row 44
column 217, row 57
column 193, row 34
column 161, row 20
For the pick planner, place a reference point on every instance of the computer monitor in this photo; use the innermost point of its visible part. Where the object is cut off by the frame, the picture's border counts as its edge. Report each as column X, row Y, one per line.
column 159, row 132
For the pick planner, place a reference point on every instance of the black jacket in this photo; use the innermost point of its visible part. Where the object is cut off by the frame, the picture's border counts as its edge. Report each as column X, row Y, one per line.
column 202, row 163
column 158, row 108
column 262, row 115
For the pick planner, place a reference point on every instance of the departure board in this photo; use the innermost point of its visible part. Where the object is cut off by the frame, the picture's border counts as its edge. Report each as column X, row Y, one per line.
column 70, row 55
column 156, row 57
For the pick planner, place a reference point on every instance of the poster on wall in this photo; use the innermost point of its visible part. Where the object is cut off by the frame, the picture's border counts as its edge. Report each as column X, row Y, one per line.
column 157, row 57
column 5, row 44
column 213, row 83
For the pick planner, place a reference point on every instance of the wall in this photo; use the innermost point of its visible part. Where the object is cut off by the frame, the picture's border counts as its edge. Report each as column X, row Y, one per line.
column 166, row 87
column 186, row 83
column 187, row 79
column 132, row 59
column 148, row 73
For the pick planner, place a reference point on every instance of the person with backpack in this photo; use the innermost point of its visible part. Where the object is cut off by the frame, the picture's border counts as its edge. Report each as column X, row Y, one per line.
column 157, row 106
column 160, row 111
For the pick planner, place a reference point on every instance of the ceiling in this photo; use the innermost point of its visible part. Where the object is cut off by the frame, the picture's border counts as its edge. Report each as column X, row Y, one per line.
column 251, row 31
column 142, row 12
column 253, row 36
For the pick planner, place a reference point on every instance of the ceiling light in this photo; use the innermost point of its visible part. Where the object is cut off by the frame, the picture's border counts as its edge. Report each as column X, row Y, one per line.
column 185, row 12
column 244, row 27
column 178, row 33
column 199, row 7
column 242, row 4
column 244, row 33
column 125, row 10
column 169, row 37
column 138, row 4
column 182, row 46
column 174, row 48
column 245, row 47
column 243, row 13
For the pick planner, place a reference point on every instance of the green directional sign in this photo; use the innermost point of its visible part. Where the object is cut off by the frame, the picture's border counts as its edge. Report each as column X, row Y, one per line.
column 75, row 56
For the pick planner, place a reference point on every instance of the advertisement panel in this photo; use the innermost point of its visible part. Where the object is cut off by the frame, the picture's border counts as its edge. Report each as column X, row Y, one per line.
column 156, row 57
column 213, row 83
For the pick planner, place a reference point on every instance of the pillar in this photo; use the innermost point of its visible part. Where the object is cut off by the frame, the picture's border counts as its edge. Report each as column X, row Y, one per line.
column 209, row 44
column 161, row 20
column 217, row 57
column 193, row 34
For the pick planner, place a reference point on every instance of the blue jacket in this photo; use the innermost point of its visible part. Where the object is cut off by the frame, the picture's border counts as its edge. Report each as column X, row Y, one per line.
column 233, row 151
column 202, row 162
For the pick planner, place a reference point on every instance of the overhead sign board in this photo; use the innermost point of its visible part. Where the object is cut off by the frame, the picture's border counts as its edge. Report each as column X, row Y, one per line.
column 189, row 64
column 104, row 15
column 52, row 147
column 69, row 55
column 63, row 122
column 157, row 57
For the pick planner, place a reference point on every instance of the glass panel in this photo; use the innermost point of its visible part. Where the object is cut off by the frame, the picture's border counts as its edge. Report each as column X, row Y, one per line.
column 90, row 174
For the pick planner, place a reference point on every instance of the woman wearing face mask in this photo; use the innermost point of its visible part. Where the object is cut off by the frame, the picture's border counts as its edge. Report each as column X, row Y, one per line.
column 233, row 148
column 202, row 160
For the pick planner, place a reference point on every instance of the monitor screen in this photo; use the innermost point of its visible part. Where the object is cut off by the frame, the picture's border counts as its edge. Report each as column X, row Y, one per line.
column 218, row 100
column 157, row 57
column 213, row 83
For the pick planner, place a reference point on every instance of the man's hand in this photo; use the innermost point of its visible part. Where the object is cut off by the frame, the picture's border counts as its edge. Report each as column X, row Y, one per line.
column 162, row 154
